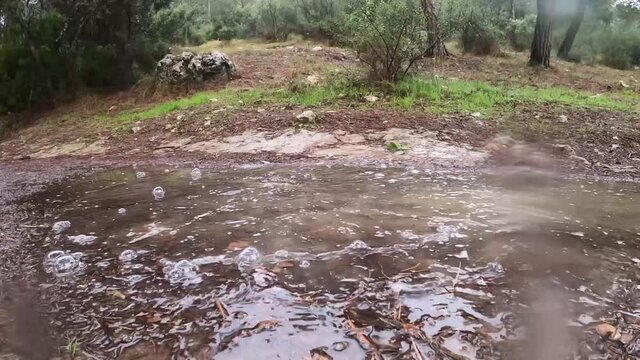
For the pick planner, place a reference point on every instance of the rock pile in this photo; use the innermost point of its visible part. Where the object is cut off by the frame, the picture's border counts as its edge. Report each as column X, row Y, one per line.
column 194, row 68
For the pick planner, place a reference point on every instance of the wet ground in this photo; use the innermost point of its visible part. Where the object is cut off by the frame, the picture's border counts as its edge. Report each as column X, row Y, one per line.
column 333, row 261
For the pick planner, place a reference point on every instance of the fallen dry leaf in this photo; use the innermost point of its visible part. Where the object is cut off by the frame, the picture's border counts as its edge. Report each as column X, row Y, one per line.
column 118, row 294
column 154, row 319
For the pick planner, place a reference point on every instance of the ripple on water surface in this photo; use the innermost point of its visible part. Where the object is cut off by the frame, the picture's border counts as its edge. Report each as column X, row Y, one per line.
column 286, row 261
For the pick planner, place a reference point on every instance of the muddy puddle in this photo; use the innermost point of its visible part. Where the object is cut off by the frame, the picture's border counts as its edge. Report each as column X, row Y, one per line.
column 338, row 262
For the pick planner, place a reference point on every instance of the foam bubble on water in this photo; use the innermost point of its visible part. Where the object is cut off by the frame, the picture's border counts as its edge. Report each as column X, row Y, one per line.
column 66, row 264
column 140, row 174
column 196, row 174
column 281, row 254
column 158, row 193
column 304, row 264
column 122, row 211
column 495, row 267
column 61, row 226
column 248, row 257
column 358, row 245
column 128, row 255
column 184, row 272
column 53, row 255
column 83, row 239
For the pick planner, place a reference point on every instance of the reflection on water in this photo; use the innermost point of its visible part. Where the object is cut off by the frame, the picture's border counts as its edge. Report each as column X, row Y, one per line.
column 343, row 261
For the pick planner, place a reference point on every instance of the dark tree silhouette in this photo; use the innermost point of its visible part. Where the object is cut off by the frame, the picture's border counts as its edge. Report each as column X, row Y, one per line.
column 576, row 22
column 541, row 46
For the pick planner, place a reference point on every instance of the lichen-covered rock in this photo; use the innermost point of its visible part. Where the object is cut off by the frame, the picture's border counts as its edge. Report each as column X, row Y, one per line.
column 191, row 68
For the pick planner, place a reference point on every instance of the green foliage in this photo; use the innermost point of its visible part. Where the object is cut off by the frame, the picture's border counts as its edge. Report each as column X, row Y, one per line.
column 277, row 19
column 388, row 36
column 620, row 47
column 32, row 69
column 323, row 19
column 49, row 49
column 395, row 147
column 176, row 25
column 521, row 32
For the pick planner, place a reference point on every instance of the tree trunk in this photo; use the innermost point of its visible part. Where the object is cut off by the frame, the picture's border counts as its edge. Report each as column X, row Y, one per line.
column 576, row 22
column 438, row 49
column 513, row 9
column 541, row 46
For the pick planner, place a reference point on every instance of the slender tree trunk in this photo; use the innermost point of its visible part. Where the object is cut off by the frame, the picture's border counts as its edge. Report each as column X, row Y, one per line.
column 541, row 46
column 513, row 9
column 576, row 22
column 438, row 48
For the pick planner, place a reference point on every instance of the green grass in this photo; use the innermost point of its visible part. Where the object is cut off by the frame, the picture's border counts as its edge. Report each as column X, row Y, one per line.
column 444, row 95
column 432, row 94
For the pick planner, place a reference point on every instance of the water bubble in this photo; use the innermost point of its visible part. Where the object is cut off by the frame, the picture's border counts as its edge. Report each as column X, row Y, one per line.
column 184, row 272
column 52, row 256
column 340, row 345
column 83, row 239
column 358, row 245
column 248, row 257
column 196, row 174
column 122, row 211
column 61, row 226
column 281, row 254
column 65, row 264
column 305, row 264
column 140, row 174
column 158, row 193
column 128, row 255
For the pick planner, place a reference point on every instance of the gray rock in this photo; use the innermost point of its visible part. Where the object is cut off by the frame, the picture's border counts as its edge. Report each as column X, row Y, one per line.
column 307, row 115
column 194, row 68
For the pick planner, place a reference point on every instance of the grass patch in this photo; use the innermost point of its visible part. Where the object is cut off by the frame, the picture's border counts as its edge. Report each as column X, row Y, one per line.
column 432, row 94
column 445, row 95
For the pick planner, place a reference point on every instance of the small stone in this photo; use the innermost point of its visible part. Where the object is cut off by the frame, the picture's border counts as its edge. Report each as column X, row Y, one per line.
column 313, row 79
column 564, row 149
column 476, row 115
column 371, row 98
column 563, row 118
column 624, row 84
column 168, row 126
column 317, row 48
column 307, row 115
column 136, row 129
column 179, row 117
column 260, row 110
column 207, row 123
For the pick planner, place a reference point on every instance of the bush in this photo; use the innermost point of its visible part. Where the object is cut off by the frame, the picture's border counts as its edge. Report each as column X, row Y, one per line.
column 620, row 48
column 520, row 32
column 479, row 39
column 277, row 19
column 32, row 72
column 388, row 36
column 321, row 19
